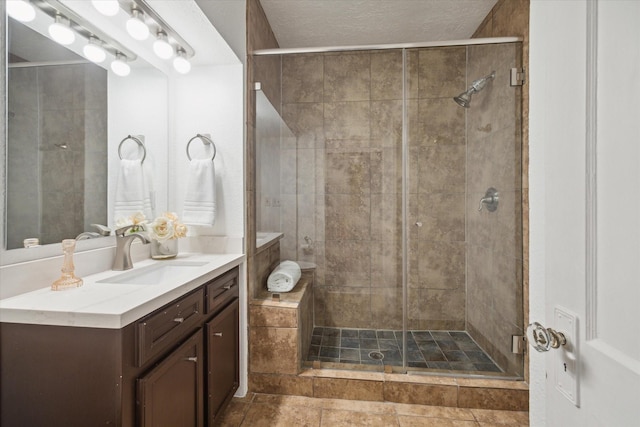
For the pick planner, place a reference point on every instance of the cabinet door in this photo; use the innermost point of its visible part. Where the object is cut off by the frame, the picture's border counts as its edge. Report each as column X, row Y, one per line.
column 222, row 359
column 171, row 394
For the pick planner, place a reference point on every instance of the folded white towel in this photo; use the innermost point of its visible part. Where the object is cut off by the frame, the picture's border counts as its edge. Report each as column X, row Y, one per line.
column 284, row 277
column 133, row 190
column 200, row 198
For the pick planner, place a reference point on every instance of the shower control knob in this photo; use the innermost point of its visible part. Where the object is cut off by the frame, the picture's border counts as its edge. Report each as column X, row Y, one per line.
column 490, row 200
column 543, row 339
column 419, row 224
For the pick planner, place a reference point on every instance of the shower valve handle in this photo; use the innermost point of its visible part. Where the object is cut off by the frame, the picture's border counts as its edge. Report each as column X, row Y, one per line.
column 490, row 199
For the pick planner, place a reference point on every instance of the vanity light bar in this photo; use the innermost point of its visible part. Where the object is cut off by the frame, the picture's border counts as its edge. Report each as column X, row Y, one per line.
column 83, row 27
column 157, row 24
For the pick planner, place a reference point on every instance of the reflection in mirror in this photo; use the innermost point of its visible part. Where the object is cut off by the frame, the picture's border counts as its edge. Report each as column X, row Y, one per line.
column 56, row 141
column 275, row 145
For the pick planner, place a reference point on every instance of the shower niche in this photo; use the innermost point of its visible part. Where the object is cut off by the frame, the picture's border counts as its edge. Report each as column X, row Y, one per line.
column 383, row 170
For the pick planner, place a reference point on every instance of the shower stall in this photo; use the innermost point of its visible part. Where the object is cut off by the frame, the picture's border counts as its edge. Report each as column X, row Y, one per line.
column 408, row 202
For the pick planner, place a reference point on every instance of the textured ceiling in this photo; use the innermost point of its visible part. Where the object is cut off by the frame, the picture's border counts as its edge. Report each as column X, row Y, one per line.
column 314, row 23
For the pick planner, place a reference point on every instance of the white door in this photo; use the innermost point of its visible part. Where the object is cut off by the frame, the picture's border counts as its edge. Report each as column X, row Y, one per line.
column 585, row 226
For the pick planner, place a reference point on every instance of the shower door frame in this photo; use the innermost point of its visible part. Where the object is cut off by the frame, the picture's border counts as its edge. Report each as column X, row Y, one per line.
column 405, row 155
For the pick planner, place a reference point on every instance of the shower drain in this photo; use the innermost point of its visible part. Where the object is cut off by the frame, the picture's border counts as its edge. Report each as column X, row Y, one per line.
column 376, row 355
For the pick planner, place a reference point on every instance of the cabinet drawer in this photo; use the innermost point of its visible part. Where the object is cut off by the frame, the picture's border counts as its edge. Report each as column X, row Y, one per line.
column 164, row 328
column 222, row 290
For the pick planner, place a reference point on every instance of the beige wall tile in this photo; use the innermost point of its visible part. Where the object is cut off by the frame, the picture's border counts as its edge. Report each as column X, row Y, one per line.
column 440, row 121
column 280, row 384
column 306, row 121
column 442, row 72
column 348, row 263
column 441, row 264
column 302, row 78
column 421, row 394
column 482, row 398
column 442, row 216
column 345, row 306
column 386, row 307
column 386, row 75
column 274, row 350
column 386, row 123
column 337, row 388
column 347, row 77
column 273, row 316
column 347, row 120
column 348, row 172
column 347, row 216
column 386, row 263
column 441, row 169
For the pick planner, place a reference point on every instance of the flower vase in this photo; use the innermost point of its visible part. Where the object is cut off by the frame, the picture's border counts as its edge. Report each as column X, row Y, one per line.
column 162, row 249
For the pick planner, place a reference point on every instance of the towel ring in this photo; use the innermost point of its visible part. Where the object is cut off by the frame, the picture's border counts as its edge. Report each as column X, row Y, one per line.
column 137, row 141
column 206, row 140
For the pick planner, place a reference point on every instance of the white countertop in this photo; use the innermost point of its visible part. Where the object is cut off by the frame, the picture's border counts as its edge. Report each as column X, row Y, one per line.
column 111, row 305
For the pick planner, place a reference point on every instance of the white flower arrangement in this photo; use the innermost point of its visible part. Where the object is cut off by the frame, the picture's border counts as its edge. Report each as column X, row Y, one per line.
column 137, row 221
column 165, row 227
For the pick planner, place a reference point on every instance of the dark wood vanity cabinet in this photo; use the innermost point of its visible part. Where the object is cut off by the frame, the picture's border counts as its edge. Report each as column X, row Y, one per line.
column 177, row 366
column 171, row 395
column 223, row 374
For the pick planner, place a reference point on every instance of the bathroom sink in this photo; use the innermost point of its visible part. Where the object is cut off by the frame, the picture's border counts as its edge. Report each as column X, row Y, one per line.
column 154, row 274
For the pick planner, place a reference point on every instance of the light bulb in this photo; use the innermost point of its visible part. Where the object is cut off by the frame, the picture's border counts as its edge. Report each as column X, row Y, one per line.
column 106, row 7
column 181, row 63
column 119, row 66
column 136, row 26
column 61, row 31
column 162, row 47
column 20, row 10
column 94, row 51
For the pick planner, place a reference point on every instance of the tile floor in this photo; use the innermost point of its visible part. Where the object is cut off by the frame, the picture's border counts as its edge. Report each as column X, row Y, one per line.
column 444, row 350
column 258, row 410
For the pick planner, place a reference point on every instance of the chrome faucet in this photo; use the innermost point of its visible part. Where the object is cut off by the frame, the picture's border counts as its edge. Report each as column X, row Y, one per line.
column 87, row 235
column 102, row 231
column 122, row 260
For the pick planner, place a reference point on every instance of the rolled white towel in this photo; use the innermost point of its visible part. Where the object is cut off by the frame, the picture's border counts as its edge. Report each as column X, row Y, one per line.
column 284, row 277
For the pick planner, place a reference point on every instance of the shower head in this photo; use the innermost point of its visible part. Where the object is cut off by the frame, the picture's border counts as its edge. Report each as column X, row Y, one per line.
column 464, row 99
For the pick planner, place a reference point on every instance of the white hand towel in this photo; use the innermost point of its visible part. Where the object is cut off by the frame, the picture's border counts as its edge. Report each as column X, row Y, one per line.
column 284, row 277
column 132, row 190
column 200, row 198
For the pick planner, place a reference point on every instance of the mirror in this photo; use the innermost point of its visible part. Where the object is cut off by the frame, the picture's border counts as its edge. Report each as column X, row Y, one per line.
column 65, row 118
column 56, row 141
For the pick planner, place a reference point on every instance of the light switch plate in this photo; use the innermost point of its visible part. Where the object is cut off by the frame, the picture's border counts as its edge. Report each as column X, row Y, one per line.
column 566, row 366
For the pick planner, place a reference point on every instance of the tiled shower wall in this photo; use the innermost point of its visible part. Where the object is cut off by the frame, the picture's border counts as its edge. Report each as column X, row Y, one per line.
column 55, row 193
column 346, row 110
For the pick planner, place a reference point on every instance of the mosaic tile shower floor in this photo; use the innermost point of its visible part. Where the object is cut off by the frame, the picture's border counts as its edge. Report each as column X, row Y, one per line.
column 443, row 350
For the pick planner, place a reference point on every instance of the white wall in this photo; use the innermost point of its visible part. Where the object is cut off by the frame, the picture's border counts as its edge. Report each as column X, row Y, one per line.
column 210, row 100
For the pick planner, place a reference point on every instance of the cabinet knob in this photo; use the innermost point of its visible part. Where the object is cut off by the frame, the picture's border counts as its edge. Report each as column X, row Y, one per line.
column 179, row 319
column 191, row 359
column 227, row 287
column 217, row 334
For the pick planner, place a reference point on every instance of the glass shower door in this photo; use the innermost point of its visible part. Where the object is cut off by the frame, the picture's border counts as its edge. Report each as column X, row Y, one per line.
column 464, row 279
